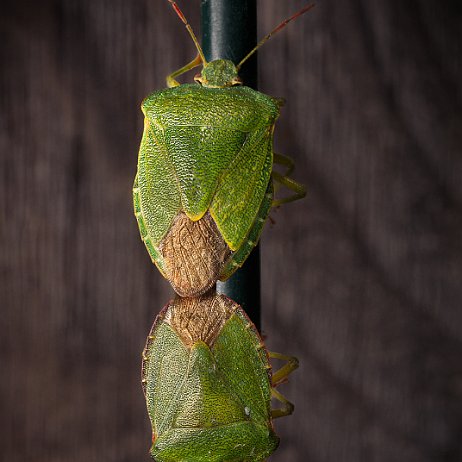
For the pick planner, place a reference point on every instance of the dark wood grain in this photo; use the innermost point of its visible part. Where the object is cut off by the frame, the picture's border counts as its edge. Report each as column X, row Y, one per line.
column 361, row 280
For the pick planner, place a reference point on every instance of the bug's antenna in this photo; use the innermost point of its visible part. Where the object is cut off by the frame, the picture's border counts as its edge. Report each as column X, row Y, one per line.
column 189, row 29
column 274, row 31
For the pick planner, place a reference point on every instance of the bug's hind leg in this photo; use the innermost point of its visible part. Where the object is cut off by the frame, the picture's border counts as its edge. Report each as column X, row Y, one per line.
column 279, row 377
column 281, row 374
column 172, row 82
column 279, row 179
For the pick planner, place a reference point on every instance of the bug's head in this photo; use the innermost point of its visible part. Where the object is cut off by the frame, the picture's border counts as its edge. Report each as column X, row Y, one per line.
column 220, row 73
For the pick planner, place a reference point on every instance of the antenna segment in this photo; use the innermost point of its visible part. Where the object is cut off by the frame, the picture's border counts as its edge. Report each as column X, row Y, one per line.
column 189, row 29
column 274, row 31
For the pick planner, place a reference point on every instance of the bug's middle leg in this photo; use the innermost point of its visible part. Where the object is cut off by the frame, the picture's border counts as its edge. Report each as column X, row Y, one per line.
column 285, row 161
column 279, row 179
column 287, row 408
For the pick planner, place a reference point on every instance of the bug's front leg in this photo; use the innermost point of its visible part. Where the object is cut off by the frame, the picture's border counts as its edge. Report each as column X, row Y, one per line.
column 172, row 82
column 279, row 179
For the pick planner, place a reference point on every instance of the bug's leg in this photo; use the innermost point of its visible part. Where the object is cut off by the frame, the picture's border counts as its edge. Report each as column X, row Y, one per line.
column 298, row 189
column 284, row 180
column 281, row 374
column 285, row 161
column 279, row 377
column 287, row 408
column 171, row 82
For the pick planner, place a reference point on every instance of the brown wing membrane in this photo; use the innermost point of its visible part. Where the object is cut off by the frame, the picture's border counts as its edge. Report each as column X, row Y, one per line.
column 200, row 318
column 194, row 252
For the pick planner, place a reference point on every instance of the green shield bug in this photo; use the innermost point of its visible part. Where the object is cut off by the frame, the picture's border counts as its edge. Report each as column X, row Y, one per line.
column 204, row 183
column 208, row 384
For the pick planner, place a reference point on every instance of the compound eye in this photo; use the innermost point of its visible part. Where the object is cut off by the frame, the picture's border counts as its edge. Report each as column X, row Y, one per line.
column 236, row 81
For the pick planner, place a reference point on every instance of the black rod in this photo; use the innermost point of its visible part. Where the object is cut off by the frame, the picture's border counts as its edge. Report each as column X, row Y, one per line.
column 229, row 31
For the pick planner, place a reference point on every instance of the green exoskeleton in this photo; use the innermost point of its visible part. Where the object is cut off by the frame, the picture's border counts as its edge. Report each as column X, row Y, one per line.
column 208, row 384
column 204, row 185
column 202, row 193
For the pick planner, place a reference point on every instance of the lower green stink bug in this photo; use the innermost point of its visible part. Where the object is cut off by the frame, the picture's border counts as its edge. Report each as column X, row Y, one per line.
column 208, row 384
column 204, row 184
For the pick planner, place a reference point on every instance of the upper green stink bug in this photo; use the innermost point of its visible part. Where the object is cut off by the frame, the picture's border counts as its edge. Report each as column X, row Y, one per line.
column 204, row 188
column 208, row 384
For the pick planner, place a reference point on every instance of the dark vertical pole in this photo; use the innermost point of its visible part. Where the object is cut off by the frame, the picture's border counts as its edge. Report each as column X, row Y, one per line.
column 229, row 31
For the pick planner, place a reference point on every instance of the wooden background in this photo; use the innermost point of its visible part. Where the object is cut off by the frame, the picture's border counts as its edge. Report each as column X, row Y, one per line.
column 361, row 280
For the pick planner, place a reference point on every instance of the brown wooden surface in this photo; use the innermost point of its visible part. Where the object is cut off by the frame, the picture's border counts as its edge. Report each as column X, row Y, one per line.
column 362, row 280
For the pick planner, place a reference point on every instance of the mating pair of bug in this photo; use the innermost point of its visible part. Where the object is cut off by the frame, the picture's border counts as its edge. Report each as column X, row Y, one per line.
column 202, row 193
